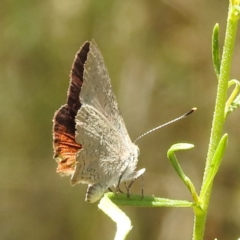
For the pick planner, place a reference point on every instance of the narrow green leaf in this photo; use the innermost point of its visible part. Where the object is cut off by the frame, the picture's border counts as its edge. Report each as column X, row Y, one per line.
column 146, row 201
column 216, row 161
column 178, row 169
column 179, row 147
column 216, row 50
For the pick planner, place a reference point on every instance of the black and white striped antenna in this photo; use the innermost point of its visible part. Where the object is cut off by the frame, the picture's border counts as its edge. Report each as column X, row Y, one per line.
column 165, row 124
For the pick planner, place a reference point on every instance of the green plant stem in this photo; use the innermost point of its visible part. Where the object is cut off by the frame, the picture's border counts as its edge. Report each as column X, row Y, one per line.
column 218, row 120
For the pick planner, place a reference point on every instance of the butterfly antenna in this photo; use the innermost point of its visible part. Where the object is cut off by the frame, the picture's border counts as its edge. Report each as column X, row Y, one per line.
column 165, row 124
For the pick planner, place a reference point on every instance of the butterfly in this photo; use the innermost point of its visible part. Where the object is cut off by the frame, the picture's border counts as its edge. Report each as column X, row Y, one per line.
column 90, row 139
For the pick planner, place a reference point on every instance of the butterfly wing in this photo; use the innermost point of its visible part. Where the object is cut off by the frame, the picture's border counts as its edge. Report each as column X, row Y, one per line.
column 99, row 160
column 64, row 142
column 107, row 149
column 97, row 90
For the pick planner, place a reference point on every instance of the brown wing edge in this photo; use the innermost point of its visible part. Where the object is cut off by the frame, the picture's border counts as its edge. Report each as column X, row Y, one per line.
column 64, row 126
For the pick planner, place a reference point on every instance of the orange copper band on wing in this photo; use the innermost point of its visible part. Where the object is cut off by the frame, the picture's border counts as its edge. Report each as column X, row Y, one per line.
column 64, row 143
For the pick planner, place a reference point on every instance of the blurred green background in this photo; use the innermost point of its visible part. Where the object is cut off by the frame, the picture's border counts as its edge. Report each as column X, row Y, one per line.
column 158, row 54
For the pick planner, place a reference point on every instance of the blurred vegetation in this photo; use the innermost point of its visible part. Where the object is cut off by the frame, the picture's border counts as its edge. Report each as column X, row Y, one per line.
column 158, row 54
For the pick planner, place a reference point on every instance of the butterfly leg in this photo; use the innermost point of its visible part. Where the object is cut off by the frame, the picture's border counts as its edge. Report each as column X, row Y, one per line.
column 137, row 175
column 128, row 189
column 129, row 186
column 142, row 187
column 118, row 185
